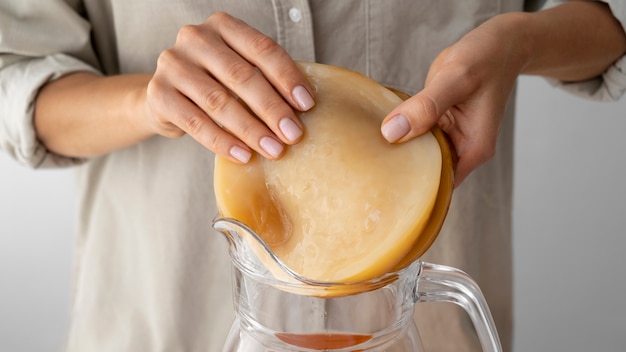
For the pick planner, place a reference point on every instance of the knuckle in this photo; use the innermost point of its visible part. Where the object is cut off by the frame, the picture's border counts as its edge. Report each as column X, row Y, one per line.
column 445, row 122
column 188, row 33
column 241, row 72
column 156, row 96
column 245, row 131
column 273, row 107
column 429, row 107
column 218, row 17
column 193, row 124
column 216, row 100
column 171, row 131
column 153, row 90
column 214, row 142
column 263, row 45
column 165, row 58
column 220, row 142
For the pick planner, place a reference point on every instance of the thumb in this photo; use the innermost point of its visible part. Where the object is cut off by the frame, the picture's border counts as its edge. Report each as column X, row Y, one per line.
column 420, row 113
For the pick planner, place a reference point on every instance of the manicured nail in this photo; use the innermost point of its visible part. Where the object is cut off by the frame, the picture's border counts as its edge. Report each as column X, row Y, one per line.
column 303, row 98
column 395, row 128
column 271, row 146
column 290, row 129
column 240, row 154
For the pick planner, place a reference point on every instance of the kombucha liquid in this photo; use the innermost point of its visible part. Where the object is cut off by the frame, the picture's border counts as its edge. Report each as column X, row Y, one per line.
column 323, row 342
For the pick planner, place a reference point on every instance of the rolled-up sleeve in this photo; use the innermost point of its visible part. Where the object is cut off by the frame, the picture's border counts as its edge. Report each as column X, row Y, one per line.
column 609, row 86
column 39, row 42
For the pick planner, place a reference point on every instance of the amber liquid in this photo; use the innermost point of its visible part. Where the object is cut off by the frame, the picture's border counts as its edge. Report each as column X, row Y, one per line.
column 323, row 341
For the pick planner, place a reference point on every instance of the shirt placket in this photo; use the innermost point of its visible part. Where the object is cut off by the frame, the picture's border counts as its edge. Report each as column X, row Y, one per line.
column 295, row 28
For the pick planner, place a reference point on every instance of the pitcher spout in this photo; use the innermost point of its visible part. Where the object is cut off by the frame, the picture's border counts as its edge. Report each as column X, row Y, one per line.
column 251, row 254
column 254, row 257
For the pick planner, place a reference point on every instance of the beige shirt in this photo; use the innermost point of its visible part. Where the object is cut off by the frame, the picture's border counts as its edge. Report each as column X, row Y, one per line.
column 150, row 273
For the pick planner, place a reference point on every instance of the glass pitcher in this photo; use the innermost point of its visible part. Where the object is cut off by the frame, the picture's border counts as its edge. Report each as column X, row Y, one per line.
column 277, row 310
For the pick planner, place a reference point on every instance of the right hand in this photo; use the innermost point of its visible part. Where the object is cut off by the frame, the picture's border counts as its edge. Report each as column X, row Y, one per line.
column 229, row 87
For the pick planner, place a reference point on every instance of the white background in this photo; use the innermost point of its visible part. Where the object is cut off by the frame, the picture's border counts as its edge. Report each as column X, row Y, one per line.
column 569, row 235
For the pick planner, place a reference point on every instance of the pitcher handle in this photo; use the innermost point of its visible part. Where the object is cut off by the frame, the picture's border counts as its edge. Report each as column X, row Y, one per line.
column 440, row 283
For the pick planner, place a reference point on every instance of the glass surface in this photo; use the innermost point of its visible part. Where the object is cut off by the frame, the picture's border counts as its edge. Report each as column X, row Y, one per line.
column 279, row 311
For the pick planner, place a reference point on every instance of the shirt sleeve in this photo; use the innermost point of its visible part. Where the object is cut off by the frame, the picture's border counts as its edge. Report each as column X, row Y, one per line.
column 611, row 85
column 39, row 41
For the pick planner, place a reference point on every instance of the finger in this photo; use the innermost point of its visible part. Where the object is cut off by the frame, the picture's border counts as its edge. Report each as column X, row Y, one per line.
column 180, row 115
column 205, row 49
column 419, row 113
column 474, row 136
column 273, row 61
column 260, row 97
column 464, row 164
column 210, row 114
column 223, row 108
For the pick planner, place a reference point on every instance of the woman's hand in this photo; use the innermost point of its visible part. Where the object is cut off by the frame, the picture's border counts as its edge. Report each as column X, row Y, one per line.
column 223, row 83
column 465, row 93
column 231, row 88
column 469, row 83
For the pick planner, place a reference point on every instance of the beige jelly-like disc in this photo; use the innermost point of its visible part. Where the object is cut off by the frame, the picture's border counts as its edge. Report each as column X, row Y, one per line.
column 343, row 205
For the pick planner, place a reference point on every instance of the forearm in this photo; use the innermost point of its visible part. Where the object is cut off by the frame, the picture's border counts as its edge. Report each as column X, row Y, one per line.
column 85, row 115
column 574, row 41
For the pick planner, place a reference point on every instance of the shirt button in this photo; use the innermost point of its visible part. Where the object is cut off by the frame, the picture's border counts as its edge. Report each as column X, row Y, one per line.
column 295, row 15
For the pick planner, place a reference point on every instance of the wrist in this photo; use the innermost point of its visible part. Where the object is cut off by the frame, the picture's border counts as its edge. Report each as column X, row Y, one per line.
column 136, row 109
column 513, row 28
column 85, row 115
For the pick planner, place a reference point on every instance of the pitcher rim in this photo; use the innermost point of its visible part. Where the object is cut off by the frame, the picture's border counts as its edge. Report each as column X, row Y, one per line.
column 300, row 282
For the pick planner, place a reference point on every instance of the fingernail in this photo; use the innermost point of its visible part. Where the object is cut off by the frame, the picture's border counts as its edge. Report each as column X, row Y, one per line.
column 240, row 154
column 290, row 129
column 303, row 98
column 271, row 146
column 395, row 128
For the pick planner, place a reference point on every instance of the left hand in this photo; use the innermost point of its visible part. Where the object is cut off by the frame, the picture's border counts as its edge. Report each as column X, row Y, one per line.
column 466, row 92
